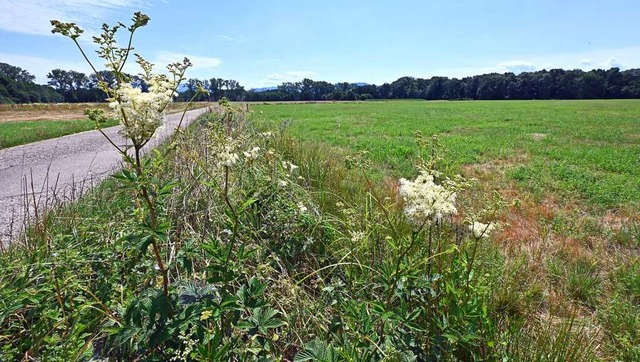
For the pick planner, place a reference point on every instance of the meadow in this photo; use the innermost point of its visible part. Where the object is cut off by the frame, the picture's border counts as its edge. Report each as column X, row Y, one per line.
column 273, row 236
column 586, row 150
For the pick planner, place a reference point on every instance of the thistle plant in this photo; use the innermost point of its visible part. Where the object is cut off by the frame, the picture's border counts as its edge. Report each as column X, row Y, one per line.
column 139, row 112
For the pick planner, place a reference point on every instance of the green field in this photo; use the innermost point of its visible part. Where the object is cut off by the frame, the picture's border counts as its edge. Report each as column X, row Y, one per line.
column 578, row 149
column 275, row 247
column 19, row 133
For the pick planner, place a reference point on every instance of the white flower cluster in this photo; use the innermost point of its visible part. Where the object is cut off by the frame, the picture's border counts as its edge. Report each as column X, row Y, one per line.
column 481, row 230
column 140, row 113
column 357, row 235
column 227, row 157
column 289, row 168
column 302, row 208
column 425, row 201
column 251, row 154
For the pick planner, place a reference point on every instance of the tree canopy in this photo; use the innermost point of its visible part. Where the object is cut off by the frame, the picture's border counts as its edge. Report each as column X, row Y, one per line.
column 17, row 86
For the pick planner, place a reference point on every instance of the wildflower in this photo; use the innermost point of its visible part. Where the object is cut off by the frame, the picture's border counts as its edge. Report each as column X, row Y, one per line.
column 282, row 183
column 425, row 200
column 206, row 315
column 252, row 154
column 140, row 113
column 227, row 157
column 358, row 235
column 302, row 208
column 481, row 230
column 289, row 167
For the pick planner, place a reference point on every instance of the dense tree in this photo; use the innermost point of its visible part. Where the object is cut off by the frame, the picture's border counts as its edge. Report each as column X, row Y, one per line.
column 17, row 85
column 16, row 74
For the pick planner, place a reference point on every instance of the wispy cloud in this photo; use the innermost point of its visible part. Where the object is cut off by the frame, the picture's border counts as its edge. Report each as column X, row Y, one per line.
column 516, row 66
column 275, row 79
column 622, row 58
column 226, row 38
column 32, row 16
column 290, row 76
column 199, row 62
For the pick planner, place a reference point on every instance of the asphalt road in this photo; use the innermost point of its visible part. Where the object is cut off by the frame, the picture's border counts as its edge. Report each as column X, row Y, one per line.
column 59, row 170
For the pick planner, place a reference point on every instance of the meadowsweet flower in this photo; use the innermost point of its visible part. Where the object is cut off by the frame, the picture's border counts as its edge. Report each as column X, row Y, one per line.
column 282, row 183
column 227, row 157
column 252, row 154
column 140, row 113
column 481, row 230
column 289, row 167
column 357, row 235
column 302, row 208
column 425, row 201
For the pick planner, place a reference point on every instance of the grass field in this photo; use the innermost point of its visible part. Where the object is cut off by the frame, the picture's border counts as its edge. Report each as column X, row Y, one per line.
column 20, row 133
column 575, row 149
column 26, row 123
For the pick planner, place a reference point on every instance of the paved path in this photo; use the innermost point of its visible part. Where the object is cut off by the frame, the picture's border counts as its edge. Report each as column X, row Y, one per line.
column 59, row 170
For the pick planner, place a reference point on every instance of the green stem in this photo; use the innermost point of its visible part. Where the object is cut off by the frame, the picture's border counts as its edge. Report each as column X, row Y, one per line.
column 154, row 224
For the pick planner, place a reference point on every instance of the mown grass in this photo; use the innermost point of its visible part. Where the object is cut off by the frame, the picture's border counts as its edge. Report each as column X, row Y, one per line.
column 20, row 133
column 575, row 149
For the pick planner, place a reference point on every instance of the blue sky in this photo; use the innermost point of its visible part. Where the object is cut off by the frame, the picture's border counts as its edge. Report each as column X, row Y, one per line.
column 266, row 42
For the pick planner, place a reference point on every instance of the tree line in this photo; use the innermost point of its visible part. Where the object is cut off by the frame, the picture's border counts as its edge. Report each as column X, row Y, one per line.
column 17, row 86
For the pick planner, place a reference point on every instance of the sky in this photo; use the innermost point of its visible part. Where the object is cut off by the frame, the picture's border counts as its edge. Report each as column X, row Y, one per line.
column 263, row 43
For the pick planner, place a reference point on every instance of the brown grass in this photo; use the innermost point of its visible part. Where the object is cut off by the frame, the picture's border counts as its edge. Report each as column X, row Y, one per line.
column 532, row 235
column 64, row 111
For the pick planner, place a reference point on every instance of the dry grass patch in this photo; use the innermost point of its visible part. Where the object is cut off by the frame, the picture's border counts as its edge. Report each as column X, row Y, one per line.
column 63, row 111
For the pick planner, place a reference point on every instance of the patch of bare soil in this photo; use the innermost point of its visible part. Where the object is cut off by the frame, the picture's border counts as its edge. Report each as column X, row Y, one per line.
column 538, row 136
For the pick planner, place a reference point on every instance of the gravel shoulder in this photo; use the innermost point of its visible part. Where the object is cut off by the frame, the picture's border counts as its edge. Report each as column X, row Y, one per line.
column 61, row 169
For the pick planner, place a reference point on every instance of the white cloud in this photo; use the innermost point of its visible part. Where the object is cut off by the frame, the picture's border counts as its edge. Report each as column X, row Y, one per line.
column 623, row 58
column 291, row 76
column 33, row 16
column 275, row 79
column 606, row 64
column 199, row 62
column 516, row 66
